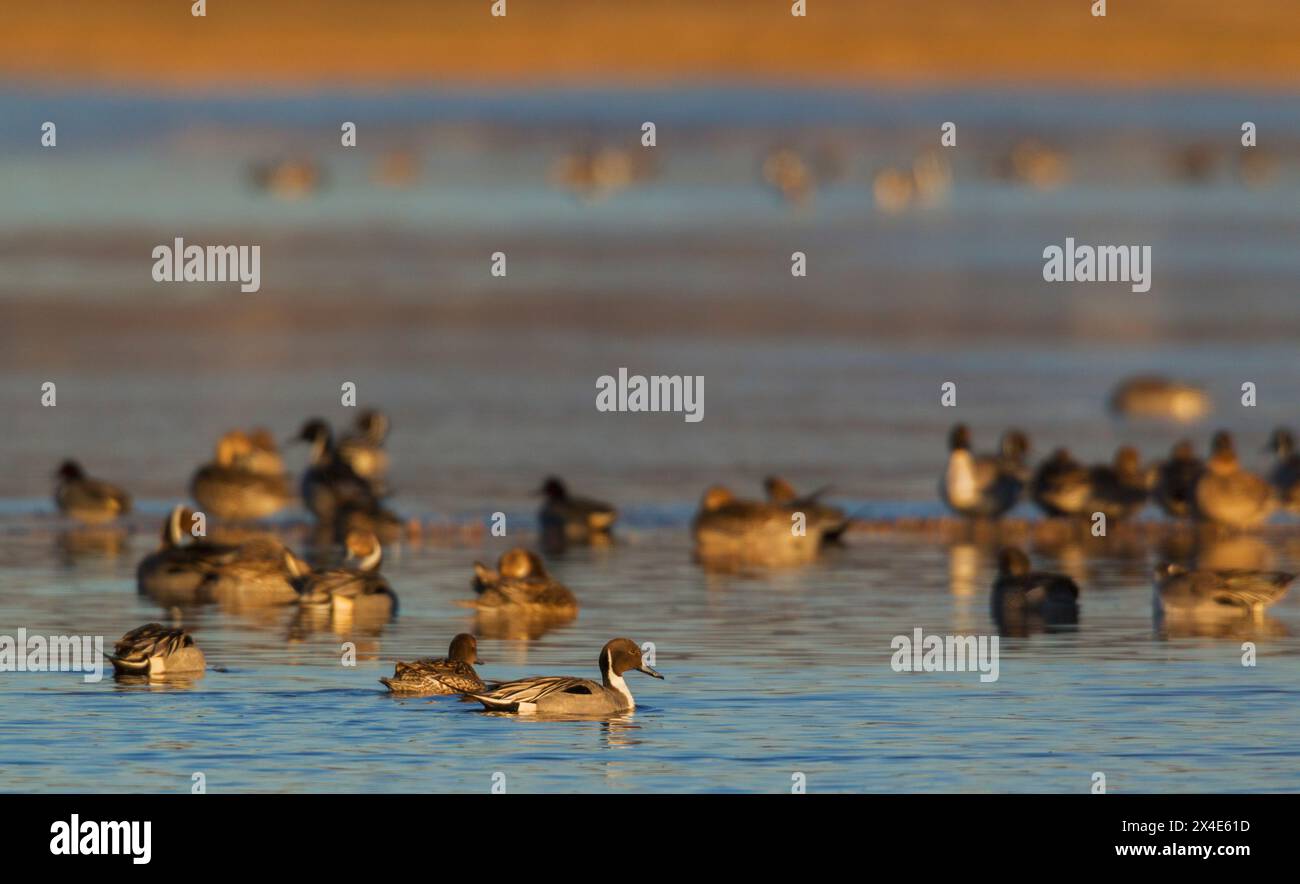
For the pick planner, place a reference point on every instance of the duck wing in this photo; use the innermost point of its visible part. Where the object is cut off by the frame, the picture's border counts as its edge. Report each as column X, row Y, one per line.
column 529, row 690
column 135, row 648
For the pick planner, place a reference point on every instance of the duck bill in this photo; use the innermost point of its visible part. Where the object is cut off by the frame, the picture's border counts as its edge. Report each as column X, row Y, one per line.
column 650, row 672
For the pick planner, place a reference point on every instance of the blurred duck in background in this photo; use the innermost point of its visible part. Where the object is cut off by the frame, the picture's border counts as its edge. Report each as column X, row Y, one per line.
column 1159, row 398
column 1062, row 486
column 288, row 178
column 1228, row 495
column 1034, row 163
column 1232, row 594
column 1176, row 478
column 330, row 483
column 1285, row 475
column 1023, row 599
column 521, row 582
column 566, row 518
column 354, row 591
column 733, row 533
column 984, row 485
column 363, row 447
column 782, row 493
column 243, row 482
column 89, row 501
column 596, row 172
column 1119, row 489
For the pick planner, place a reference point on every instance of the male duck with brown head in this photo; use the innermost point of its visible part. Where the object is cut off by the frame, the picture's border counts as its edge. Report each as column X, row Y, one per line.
column 363, row 448
column 330, row 484
column 1176, row 478
column 178, row 567
column 453, row 674
column 568, row 518
column 89, row 501
column 1228, row 495
column 980, row 485
column 235, row 487
column 356, row 589
column 567, row 695
column 1022, row 597
column 782, row 493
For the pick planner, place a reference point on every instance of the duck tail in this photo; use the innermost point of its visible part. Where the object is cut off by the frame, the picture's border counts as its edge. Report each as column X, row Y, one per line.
column 494, row 703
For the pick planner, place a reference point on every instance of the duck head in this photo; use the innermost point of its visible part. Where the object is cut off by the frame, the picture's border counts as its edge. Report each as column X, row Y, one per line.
column 620, row 655
column 1012, row 562
column 1281, row 443
column 261, row 439
column 464, row 648
column 373, row 425
column 1126, row 461
column 520, row 563
column 318, row 433
column 1015, row 446
column 364, row 551
column 959, row 438
column 1183, row 451
column 553, row 489
column 70, row 471
column 1165, row 570
column 716, row 498
column 779, row 490
column 1223, row 452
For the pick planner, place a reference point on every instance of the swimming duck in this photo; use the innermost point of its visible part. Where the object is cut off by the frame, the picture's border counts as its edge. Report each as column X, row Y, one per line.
column 782, row 493
column 786, row 172
column 287, row 178
column 329, row 482
column 1227, row 494
column 182, row 562
column 979, row 486
column 1215, row 594
column 1020, row 595
column 1285, row 476
column 1176, row 478
column 154, row 649
column 1037, row 164
column 1152, row 396
column 453, row 674
column 521, row 581
column 378, row 520
column 89, row 501
column 566, row 695
column 1062, row 486
column 262, row 571
column 363, row 448
column 564, row 517
column 729, row 532
column 356, row 589
column 228, row 489
column 1119, row 489
column 257, row 452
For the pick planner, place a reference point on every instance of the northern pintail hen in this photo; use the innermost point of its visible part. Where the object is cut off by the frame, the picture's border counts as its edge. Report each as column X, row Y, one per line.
column 1176, row 478
column 453, row 674
column 981, row 485
column 521, row 582
column 782, row 493
column 1151, row 396
column 1229, row 495
column 567, row 517
column 1285, row 475
column 89, row 501
column 567, row 695
column 1217, row 594
column 1021, row 596
column 263, row 571
column 154, row 649
column 1119, row 489
column 330, row 483
column 231, row 486
column 355, row 589
column 732, row 532
column 363, row 448
column 1061, row 485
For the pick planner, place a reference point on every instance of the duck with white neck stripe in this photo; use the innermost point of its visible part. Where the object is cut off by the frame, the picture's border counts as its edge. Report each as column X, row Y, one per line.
column 568, row 695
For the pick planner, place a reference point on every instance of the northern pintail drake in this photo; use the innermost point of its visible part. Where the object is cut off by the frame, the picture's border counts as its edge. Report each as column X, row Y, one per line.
column 232, row 488
column 1217, row 594
column 1176, row 478
column 1285, row 475
column 1021, row 596
column 731, row 532
column 330, row 484
column 1119, row 489
column 566, row 695
column 181, row 563
column 566, row 517
column 453, row 674
column 1151, row 396
column 979, row 485
column 363, row 448
column 1062, row 486
column 1229, row 495
column 782, row 493
column 521, row 581
column 355, row 589
column 89, row 501
column 154, row 649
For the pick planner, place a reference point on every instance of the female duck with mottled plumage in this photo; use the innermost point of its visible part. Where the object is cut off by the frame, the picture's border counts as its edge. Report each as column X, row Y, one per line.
column 567, row 695
column 731, row 532
column 453, row 674
column 1229, row 594
column 521, row 582
column 782, row 493
column 986, row 485
column 238, row 485
column 89, row 501
column 1228, row 495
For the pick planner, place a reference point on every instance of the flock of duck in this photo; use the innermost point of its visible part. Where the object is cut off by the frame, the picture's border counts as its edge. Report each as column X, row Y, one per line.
column 345, row 484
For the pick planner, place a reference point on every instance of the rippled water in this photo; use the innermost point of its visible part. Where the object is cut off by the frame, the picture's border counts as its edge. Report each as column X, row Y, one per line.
column 831, row 379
